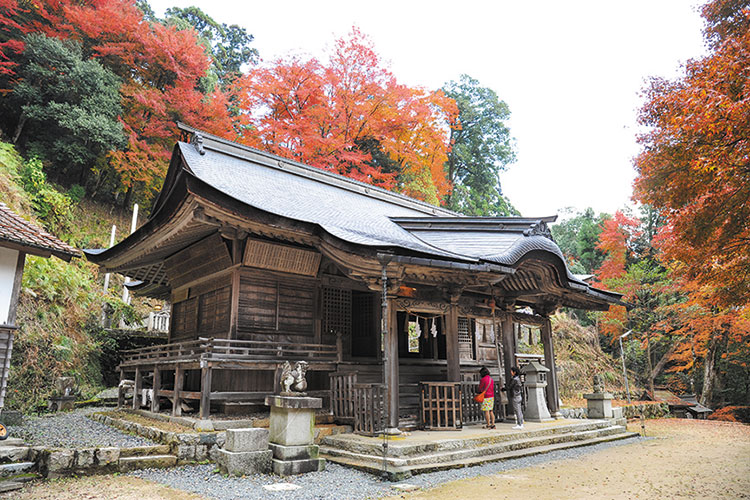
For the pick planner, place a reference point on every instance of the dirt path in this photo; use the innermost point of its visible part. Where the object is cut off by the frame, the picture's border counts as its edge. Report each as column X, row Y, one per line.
column 689, row 459
column 100, row 488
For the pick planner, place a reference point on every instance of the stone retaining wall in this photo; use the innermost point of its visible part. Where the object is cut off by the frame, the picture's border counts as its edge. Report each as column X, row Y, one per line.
column 187, row 447
column 650, row 410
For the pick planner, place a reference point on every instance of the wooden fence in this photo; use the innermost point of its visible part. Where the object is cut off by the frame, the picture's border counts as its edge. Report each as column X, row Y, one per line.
column 441, row 405
column 369, row 408
column 342, row 396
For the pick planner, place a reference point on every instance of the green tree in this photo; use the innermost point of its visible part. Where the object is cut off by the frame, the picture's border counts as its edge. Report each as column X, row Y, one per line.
column 66, row 107
column 577, row 238
column 481, row 147
column 228, row 45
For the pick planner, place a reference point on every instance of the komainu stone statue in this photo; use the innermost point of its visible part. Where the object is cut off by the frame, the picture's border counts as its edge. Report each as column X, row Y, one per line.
column 293, row 382
column 598, row 383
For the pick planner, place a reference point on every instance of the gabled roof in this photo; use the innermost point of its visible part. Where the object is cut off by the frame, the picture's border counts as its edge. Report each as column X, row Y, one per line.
column 15, row 232
column 356, row 214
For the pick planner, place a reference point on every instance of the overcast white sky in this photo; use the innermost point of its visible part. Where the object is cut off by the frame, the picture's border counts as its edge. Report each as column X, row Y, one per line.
column 569, row 71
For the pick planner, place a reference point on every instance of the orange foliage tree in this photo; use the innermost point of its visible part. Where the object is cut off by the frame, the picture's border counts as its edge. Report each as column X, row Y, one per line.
column 350, row 116
column 614, row 241
column 695, row 163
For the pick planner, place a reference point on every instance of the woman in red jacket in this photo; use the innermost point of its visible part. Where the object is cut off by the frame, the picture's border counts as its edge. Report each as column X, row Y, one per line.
column 487, row 385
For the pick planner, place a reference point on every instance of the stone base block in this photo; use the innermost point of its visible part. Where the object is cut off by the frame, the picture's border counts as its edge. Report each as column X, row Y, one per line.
column 291, row 426
column 244, row 462
column 294, row 467
column 281, row 452
column 252, row 439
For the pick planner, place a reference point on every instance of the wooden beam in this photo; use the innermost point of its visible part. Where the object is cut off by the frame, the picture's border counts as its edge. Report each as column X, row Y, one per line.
column 205, row 408
column 16, row 290
column 137, row 387
column 234, row 306
column 391, row 364
column 157, row 388
column 176, row 400
column 509, row 345
column 552, row 389
column 451, row 340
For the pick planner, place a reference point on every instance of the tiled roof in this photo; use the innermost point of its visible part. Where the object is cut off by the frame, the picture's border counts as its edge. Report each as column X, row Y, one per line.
column 30, row 237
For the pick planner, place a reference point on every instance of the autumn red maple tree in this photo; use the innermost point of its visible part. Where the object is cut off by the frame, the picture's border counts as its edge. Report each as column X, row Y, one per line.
column 617, row 232
column 160, row 68
column 336, row 115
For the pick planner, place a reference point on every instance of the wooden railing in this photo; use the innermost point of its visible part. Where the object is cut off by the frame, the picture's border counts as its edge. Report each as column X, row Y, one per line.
column 441, row 405
column 369, row 408
column 229, row 350
column 178, row 351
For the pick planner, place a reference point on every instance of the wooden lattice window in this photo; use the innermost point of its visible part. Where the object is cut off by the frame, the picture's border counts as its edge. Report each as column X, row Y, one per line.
column 337, row 311
column 465, row 341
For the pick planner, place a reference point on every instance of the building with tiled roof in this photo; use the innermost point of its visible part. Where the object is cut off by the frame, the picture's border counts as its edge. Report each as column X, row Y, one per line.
column 270, row 260
column 19, row 237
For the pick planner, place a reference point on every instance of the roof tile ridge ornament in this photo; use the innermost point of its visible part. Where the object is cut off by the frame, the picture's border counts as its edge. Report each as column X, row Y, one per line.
column 539, row 228
column 197, row 141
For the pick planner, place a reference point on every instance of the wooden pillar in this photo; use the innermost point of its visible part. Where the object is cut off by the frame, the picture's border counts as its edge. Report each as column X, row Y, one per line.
column 137, row 388
column 451, row 340
column 509, row 346
column 205, row 408
column 179, row 378
column 552, row 389
column 390, row 367
column 157, row 387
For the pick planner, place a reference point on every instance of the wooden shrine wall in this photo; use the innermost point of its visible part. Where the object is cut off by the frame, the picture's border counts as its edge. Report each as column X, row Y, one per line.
column 275, row 306
column 203, row 312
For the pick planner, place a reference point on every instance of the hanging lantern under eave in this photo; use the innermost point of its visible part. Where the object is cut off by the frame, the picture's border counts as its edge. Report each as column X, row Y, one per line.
column 492, row 304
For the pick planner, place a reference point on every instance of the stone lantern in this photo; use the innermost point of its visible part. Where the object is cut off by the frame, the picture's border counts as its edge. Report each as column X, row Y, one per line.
column 536, row 381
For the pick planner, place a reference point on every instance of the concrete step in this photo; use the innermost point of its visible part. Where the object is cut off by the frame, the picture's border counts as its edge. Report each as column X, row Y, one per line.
column 144, row 451
column 401, row 472
column 14, row 453
column 12, row 469
column 519, row 444
column 405, row 449
column 11, row 442
column 127, row 464
column 16, row 483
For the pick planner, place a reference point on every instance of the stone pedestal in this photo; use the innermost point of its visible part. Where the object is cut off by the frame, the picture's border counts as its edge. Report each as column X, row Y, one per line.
column 245, row 452
column 292, row 433
column 536, row 402
column 599, row 404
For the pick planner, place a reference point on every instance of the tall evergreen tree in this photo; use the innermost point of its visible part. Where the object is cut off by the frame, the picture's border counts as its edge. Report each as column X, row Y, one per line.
column 481, row 147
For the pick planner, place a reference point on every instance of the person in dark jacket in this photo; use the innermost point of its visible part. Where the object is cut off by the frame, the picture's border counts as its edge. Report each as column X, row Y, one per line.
column 515, row 395
column 487, row 385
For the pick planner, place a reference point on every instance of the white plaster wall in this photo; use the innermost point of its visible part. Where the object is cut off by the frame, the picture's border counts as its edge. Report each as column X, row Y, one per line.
column 8, row 261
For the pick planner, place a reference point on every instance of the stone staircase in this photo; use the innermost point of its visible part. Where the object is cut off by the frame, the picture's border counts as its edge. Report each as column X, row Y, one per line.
column 146, row 457
column 16, row 468
column 410, row 456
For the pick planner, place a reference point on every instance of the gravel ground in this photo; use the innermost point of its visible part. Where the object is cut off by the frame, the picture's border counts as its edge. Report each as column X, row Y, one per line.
column 336, row 482
column 72, row 429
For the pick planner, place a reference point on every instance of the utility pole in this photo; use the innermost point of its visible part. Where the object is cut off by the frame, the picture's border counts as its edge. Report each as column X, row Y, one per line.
column 125, row 293
column 622, row 358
